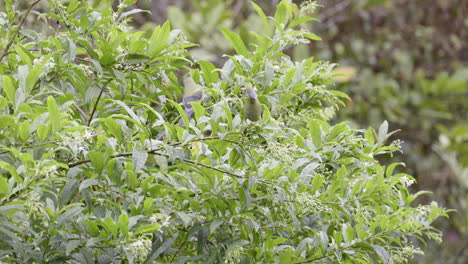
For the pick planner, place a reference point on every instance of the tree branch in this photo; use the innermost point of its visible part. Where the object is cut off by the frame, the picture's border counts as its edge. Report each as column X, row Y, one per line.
column 95, row 105
column 4, row 51
column 155, row 152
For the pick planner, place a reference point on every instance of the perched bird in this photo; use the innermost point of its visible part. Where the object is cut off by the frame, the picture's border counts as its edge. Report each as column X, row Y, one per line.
column 252, row 107
column 192, row 93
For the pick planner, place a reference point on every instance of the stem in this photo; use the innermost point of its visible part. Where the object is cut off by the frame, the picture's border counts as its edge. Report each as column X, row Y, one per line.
column 97, row 102
column 4, row 52
column 155, row 152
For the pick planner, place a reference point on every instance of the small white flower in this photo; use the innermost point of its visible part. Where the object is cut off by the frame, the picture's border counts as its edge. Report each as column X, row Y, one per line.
column 405, row 181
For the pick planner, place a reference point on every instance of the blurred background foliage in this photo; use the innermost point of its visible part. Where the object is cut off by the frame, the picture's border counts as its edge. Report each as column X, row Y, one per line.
column 405, row 61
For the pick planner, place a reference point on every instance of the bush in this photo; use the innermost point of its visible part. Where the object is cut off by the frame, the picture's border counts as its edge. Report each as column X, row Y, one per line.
column 99, row 163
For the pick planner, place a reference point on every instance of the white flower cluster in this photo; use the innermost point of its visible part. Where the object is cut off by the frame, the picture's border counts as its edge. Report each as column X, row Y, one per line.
column 402, row 254
column 139, row 249
column 35, row 208
column 233, row 256
column 406, row 181
column 48, row 66
column 310, row 204
column 86, row 69
column 309, row 7
column 76, row 141
column 160, row 218
column 284, row 152
column 421, row 214
column 49, row 171
column 293, row 37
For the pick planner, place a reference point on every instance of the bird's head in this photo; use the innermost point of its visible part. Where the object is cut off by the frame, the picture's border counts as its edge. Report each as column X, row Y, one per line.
column 251, row 93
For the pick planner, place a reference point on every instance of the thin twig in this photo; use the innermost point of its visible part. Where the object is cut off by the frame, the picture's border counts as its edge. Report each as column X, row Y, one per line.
column 82, row 113
column 151, row 151
column 4, row 52
column 97, row 102
column 155, row 152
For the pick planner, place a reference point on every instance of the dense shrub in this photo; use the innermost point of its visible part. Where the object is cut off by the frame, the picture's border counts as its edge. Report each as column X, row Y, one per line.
column 99, row 163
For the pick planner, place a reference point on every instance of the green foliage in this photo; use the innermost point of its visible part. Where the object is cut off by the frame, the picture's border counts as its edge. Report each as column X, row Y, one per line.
column 95, row 166
column 411, row 70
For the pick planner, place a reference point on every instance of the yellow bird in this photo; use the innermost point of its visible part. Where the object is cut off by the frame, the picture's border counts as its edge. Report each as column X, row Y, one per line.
column 252, row 107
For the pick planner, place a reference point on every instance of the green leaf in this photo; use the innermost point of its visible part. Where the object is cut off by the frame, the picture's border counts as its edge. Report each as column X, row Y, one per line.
column 148, row 204
column 132, row 179
column 92, row 227
column 24, row 54
column 139, row 158
column 209, row 73
column 68, row 213
column 263, row 17
column 24, row 130
column 300, row 20
column 235, row 41
column 12, row 170
column 4, row 190
column 89, row 48
column 348, row 233
column 42, row 132
column 382, row 253
column 123, row 224
column 215, row 225
column 135, row 59
column 198, row 109
column 88, row 183
column 370, row 136
column 108, row 56
column 180, row 110
column 84, row 25
column 281, row 14
column 109, row 225
column 157, row 251
column 54, row 113
column 134, row 11
column 148, row 228
column 383, row 130
column 98, row 160
column 158, row 40
column 391, row 167
column 72, row 6
column 132, row 114
column 316, row 133
column 113, row 128
column 186, row 219
column 9, row 88
column 311, row 36
column 33, row 76
column 71, row 245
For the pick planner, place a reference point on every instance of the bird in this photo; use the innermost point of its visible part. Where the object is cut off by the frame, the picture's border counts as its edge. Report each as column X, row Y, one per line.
column 252, row 106
column 192, row 93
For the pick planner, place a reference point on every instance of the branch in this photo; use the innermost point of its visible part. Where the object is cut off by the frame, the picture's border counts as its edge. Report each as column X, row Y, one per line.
column 82, row 113
column 155, row 152
column 4, row 52
column 95, row 106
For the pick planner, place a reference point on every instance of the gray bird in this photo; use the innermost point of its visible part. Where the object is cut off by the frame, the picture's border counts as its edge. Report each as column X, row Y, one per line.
column 192, row 93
